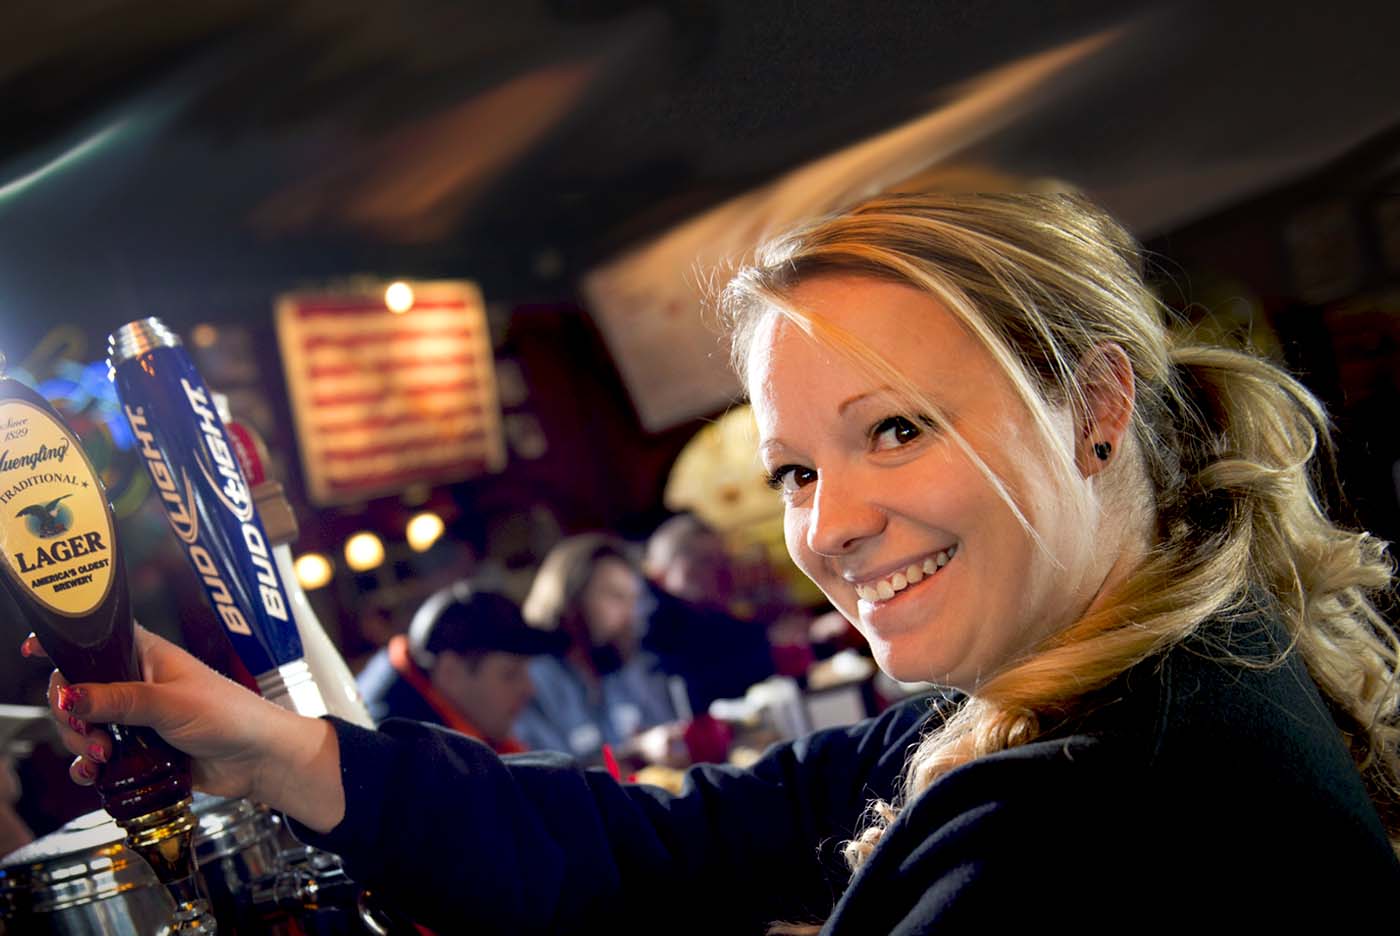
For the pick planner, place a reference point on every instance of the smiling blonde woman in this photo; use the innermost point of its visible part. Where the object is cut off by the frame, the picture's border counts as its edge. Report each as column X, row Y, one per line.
column 1171, row 699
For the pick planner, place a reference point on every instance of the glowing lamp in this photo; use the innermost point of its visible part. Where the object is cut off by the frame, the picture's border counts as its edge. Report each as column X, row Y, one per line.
column 313, row 571
column 399, row 297
column 423, row 531
column 364, row 551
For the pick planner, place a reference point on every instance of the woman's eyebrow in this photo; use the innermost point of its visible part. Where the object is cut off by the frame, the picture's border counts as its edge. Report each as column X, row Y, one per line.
column 769, row 445
column 847, row 403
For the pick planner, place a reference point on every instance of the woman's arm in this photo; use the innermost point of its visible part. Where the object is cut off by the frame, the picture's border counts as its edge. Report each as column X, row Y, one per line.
column 439, row 825
column 301, row 773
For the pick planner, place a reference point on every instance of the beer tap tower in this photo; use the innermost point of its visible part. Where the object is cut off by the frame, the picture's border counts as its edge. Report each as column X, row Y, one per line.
column 236, row 533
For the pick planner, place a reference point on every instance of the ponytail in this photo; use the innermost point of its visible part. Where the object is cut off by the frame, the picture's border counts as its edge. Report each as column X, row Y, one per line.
column 1264, row 445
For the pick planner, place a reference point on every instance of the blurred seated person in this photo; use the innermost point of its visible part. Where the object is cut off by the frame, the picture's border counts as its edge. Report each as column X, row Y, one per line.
column 606, row 688
column 691, row 629
column 464, row 664
column 687, row 559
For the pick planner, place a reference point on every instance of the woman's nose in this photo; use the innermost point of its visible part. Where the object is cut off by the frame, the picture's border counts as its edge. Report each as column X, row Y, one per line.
column 842, row 517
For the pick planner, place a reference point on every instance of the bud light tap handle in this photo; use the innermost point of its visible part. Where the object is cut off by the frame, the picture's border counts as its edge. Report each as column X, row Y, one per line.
column 184, row 445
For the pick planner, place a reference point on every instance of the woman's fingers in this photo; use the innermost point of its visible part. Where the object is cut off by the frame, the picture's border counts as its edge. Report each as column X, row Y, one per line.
column 59, row 696
column 99, row 747
column 77, row 735
column 126, row 703
column 30, row 647
column 83, row 771
column 77, row 708
column 67, row 702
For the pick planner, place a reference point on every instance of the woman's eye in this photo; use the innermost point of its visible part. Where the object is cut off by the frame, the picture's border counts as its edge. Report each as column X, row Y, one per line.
column 788, row 478
column 893, row 432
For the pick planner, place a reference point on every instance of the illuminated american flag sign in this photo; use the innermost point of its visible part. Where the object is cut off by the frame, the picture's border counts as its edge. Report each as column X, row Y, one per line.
column 383, row 401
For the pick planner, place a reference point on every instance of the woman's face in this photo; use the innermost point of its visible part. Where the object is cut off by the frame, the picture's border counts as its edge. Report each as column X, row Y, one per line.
column 888, row 515
column 609, row 602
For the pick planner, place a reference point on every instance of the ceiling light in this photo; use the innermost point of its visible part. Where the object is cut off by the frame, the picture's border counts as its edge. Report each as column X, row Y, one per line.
column 399, row 297
column 313, row 570
column 424, row 530
column 364, row 551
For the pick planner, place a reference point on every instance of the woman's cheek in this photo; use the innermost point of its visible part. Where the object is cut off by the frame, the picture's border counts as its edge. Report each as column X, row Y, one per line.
column 795, row 537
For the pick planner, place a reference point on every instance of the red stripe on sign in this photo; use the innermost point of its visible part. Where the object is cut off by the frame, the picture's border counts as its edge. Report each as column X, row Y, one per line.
column 397, row 448
column 379, row 396
column 312, row 342
column 320, row 310
column 388, row 422
column 350, row 370
column 385, row 478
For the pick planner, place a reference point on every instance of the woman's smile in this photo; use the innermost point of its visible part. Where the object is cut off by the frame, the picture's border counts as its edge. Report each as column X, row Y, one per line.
column 886, row 588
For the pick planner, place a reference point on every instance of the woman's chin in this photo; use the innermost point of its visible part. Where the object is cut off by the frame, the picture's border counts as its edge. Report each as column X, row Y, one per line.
column 901, row 664
column 903, row 667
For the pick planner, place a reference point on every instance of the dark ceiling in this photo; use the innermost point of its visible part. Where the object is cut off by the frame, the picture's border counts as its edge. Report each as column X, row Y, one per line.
column 191, row 159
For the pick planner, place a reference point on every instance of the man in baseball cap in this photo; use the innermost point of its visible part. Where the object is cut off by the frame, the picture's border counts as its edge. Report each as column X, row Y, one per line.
column 462, row 664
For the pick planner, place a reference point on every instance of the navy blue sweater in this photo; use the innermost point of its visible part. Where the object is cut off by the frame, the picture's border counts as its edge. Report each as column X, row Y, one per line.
column 1193, row 790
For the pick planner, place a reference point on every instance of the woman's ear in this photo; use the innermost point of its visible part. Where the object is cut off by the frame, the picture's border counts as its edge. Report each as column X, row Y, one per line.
column 1107, row 392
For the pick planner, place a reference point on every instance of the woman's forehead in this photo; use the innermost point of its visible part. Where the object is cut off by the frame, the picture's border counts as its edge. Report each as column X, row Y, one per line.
column 848, row 329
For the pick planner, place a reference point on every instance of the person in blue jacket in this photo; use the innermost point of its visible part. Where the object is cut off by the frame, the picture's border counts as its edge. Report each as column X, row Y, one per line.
column 603, row 688
column 1172, row 701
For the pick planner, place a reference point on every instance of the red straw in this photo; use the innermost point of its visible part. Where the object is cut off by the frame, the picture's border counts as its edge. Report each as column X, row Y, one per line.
column 611, row 763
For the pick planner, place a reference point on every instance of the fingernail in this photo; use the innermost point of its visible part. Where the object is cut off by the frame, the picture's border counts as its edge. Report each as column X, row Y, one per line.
column 95, row 752
column 69, row 698
column 25, row 649
column 77, row 724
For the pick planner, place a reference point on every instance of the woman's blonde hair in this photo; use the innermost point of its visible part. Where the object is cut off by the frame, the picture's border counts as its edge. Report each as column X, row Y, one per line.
column 1230, row 448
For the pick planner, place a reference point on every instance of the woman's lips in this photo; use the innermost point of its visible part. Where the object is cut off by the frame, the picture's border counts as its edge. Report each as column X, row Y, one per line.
column 897, row 582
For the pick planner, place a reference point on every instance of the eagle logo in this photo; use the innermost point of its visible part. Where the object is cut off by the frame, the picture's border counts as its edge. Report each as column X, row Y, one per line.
column 48, row 520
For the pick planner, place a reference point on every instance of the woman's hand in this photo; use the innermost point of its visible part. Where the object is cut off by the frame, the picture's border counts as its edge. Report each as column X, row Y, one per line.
column 241, row 744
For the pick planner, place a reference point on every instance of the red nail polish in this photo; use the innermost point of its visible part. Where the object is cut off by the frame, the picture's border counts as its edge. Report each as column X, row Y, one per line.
column 95, row 752
column 69, row 698
column 24, row 649
column 77, row 724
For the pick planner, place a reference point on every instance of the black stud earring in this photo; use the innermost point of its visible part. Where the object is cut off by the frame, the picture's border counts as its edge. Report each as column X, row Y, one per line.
column 1103, row 450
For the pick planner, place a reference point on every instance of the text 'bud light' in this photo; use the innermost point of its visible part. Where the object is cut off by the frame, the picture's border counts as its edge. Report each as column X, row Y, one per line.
column 184, row 446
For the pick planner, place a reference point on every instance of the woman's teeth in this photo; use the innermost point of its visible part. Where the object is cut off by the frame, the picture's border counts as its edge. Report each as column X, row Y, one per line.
column 888, row 587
